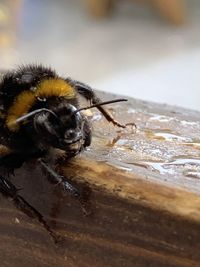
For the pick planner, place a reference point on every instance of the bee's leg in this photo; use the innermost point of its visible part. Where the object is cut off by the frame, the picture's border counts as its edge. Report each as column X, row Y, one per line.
column 10, row 191
column 89, row 94
column 7, row 188
column 55, row 178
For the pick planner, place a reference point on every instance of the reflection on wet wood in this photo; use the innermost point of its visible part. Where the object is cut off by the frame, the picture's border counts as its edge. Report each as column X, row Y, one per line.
column 140, row 202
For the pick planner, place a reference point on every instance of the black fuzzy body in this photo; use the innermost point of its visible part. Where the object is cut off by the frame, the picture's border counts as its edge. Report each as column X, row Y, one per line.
column 39, row 112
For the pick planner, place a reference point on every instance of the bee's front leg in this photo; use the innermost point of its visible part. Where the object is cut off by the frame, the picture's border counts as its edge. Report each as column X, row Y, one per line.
column 88, row 93
column 55, row 178
column 7, row 188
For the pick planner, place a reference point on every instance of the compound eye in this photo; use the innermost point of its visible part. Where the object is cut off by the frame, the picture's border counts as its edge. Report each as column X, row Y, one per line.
column 44, row 126
column 78, row 117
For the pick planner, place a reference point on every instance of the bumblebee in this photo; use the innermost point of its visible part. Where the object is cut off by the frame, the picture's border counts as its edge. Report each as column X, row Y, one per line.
column 39, row 111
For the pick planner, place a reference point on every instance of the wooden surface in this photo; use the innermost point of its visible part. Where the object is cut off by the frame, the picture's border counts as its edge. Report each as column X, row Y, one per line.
column 140, row 202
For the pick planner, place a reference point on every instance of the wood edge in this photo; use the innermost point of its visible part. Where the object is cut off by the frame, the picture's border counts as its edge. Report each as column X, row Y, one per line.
column 135, row 188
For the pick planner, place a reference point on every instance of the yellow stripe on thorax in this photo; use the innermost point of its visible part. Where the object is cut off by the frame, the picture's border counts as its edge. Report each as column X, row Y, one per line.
column 54, row 87
column 26, row 99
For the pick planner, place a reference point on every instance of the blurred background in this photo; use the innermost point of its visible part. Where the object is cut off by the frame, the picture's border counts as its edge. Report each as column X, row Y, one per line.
column 148, row 49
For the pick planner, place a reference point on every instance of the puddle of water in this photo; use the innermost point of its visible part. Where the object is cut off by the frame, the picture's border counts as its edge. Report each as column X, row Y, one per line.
column 131, row 110
column 169, row 167
column 161, row 118
column 188, row 167
column 167, row 135
column 185, row 161
column 160, row 167
column 120, row 165
column 192, row 174
column 171, row 137
column 189, row 123
column 96, row 117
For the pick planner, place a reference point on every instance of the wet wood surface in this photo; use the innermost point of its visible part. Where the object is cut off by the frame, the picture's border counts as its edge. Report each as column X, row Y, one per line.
column 140, row 203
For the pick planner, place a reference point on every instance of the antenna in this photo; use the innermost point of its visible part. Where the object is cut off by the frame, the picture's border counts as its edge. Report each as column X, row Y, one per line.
column 101, row 104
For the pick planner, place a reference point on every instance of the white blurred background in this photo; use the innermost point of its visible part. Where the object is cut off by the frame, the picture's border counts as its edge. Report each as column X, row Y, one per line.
column 135, row 50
